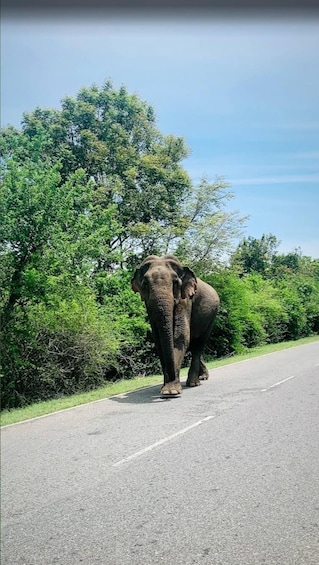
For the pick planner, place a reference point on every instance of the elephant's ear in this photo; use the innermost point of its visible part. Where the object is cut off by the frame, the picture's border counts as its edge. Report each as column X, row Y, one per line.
column 189, row 283
column 134, row 281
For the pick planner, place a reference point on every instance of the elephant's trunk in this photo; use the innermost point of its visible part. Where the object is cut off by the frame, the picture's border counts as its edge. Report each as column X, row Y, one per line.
column 161, row 315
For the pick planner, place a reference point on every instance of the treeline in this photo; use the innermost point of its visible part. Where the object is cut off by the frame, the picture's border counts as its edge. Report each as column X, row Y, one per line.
column 266, row 297
column 86, row 192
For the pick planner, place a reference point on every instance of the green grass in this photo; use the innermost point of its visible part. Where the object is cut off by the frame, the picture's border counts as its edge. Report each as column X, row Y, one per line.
column 50, row 406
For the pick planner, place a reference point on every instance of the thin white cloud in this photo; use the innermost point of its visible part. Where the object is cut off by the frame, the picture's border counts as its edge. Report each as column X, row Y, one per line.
column 305, row 155
column 312, row 125
column 296, row 126
column 281, row 179
column 274, row 169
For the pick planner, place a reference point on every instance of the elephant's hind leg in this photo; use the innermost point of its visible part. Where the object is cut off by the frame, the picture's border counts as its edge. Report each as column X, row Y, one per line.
column 194, row 371
column 203, row 371
column 198, row 370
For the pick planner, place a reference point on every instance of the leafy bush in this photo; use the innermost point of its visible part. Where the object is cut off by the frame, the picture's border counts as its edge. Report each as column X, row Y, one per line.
column 58, row 348
column 237, row 326
column 300, row 296
column 137, row 354
column 265, row 302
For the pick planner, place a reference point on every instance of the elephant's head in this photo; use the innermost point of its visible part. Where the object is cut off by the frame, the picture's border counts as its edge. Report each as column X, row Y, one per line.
column 164, row 276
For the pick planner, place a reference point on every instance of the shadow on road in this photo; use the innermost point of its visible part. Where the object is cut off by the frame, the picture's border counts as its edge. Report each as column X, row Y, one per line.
column 145, row 395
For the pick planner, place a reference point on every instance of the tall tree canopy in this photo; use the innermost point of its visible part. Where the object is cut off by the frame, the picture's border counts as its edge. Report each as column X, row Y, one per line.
column 112, row 136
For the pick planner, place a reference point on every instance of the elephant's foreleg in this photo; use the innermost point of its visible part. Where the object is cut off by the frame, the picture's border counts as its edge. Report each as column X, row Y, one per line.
column 172, row 388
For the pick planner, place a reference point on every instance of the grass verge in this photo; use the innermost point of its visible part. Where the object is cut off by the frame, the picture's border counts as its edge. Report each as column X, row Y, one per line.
column 122, row 386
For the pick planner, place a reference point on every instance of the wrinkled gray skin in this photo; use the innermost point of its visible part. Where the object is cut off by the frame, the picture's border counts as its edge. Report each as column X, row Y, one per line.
column 181, row 309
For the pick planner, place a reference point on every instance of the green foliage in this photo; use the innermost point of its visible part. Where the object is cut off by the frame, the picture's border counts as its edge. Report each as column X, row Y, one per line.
column 137, row 354
column 255, row 311
column 63, row 346
column 300, row 296
column 45, row 229
column 237, row 325
column 255, row 255
column 137, row 174
column 265, row 302
column 206, row 230
column 111, row 135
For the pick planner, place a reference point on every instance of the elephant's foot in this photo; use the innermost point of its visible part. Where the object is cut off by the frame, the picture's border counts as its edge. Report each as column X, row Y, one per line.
column 171, row 389
column 204, row 376
column 193, row 382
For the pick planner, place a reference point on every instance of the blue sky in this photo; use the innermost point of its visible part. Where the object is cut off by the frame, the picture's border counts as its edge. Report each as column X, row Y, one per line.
column 243, row 92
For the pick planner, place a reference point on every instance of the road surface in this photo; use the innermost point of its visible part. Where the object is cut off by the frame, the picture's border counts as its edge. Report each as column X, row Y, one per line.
column 227, row 474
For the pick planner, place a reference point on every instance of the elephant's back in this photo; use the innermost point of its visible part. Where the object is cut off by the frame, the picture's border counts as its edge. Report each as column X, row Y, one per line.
column 207, row 294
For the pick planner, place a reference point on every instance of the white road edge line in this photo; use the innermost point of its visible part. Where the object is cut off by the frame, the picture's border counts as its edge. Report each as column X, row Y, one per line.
column 161, row 442
column 279, row 383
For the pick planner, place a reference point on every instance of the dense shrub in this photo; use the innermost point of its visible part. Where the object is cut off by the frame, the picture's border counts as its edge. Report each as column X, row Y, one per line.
column 136, row 355
column 266, row 303
column 300, row 297
column 237, row 325
column 70, row 343
column 255, row 310
column 58, row 348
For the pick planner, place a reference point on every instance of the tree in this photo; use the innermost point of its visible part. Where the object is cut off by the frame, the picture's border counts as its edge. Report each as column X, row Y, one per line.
column 44, row 225
column 294, row 263
column 206, row 231
column 112, row 136
column 255, row 255
column 54, row 337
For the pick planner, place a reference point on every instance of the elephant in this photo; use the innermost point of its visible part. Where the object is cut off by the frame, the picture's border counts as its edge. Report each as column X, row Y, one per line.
column 181, row 309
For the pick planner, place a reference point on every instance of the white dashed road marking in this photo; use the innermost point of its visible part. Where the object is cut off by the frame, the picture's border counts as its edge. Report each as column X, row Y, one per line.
column 161, row 441
column 276, row 384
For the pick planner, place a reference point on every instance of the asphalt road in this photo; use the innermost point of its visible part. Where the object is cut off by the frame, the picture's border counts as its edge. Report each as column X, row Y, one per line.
column 228, row 474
